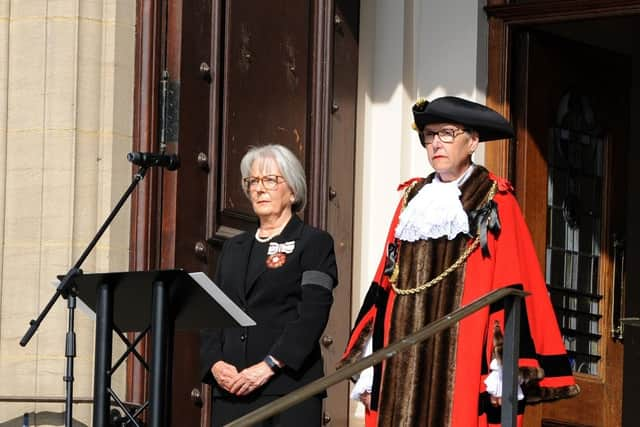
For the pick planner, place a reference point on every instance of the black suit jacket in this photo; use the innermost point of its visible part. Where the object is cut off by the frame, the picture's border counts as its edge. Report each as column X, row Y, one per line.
column 290, row 305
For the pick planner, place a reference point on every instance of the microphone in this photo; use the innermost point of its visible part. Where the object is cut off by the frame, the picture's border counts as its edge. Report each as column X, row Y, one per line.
column 169, row 161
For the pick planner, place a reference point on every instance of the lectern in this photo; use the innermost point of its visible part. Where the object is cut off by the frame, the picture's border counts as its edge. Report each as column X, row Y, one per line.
column 159, row 301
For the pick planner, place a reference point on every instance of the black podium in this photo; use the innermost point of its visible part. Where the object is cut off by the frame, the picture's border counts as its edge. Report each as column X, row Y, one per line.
column 155, row 301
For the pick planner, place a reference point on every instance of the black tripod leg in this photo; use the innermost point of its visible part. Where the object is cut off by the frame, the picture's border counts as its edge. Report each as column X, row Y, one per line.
column 70, row 354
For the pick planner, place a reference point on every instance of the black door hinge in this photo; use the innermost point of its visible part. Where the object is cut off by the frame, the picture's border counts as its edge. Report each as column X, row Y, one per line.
column 169, row 110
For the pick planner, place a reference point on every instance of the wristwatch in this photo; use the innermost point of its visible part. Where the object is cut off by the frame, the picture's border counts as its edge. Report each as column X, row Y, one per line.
column 271, row 363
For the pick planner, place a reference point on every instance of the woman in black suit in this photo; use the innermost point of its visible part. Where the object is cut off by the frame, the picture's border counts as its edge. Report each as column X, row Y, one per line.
column 282, row 274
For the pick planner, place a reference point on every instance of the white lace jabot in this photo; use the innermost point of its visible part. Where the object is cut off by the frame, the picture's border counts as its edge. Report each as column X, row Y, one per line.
column 434, row 212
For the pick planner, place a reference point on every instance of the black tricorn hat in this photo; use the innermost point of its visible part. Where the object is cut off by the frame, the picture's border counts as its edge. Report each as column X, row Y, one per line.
column 488, row 123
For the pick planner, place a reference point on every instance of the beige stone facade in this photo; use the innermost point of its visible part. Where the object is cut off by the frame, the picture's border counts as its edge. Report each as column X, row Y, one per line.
column 66, row 116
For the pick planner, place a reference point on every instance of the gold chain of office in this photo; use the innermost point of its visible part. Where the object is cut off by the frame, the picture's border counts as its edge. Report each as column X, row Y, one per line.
column 453, row 267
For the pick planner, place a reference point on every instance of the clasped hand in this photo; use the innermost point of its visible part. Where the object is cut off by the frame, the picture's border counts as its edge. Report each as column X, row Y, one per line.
column 243, row 382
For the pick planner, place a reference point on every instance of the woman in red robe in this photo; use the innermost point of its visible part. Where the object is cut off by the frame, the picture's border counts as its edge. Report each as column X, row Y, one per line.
column 456, row 235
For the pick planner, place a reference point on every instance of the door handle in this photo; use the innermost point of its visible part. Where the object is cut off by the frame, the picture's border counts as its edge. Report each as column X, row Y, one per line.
column 196, row 397
column 327, row 340
column 326, row 418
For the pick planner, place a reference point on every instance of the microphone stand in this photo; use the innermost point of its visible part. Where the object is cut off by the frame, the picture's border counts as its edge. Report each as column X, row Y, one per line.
column 66, row 288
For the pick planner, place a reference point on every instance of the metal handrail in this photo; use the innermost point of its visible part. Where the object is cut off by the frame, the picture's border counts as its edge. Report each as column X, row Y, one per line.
column 43, row 399
column 512, row 298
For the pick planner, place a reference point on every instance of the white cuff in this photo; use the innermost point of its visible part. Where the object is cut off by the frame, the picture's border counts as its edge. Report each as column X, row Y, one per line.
column 364, row 383
column 494, row 381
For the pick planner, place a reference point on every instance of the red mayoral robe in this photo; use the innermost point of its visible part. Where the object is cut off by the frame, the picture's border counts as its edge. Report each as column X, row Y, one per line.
column 440, row 383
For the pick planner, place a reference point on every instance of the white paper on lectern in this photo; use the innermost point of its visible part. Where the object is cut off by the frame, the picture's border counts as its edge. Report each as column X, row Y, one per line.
column 84, row 308
column 216, row 293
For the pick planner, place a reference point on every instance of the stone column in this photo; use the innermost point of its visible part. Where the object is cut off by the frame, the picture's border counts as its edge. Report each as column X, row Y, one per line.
column 66, row 109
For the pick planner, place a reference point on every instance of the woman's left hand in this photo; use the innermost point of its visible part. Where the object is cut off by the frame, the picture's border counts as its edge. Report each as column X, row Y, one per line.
column 250, row 379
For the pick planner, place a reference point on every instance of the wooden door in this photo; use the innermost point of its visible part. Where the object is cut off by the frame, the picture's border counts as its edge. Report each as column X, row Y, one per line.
column 571, row 111
column 246, row 72
column 340, row 196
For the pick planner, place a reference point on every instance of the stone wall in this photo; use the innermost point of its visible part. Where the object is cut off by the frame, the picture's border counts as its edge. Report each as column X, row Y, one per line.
column 66, row 108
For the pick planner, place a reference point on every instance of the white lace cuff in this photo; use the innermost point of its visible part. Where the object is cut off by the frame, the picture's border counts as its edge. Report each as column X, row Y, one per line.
column 494, row 381
column 364, row 383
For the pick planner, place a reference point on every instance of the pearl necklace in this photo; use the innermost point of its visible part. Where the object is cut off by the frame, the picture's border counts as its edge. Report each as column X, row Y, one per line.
column 262, row 239
column 271, row 236
column 275, row 233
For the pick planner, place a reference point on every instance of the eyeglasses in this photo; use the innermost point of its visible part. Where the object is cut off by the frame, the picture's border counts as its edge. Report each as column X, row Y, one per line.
column 269, row 182
column 446, row 135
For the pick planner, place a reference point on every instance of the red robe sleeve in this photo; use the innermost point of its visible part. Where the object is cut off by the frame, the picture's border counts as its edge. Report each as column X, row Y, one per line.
column 362, row 329
column 543, row 363
column 378, row 299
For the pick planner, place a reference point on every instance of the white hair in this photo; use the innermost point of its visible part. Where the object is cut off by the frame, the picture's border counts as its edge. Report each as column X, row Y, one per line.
column 290, row 166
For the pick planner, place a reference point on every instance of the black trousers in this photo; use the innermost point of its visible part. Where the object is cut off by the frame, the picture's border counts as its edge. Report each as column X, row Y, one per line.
column 307, row 413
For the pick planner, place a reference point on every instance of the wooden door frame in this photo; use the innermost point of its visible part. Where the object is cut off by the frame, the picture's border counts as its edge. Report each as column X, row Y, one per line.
column 503, row 20
column 144, row 242
column 503, row 17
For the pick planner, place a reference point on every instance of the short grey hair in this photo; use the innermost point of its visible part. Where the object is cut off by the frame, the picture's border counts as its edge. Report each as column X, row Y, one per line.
column 290, row 166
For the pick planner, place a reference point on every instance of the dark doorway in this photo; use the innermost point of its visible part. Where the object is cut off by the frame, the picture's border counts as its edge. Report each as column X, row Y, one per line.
column 569, row 139
column 572, row 89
